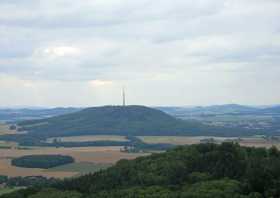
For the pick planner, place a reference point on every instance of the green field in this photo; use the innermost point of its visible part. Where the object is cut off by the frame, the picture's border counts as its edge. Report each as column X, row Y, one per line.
column 86, row 138
column 7, row 190
column 81, row 167
column 4, row 144
column 176, row 140
column 237, row 118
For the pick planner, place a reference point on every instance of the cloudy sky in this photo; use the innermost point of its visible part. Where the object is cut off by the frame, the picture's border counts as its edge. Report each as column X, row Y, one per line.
column 179, row 52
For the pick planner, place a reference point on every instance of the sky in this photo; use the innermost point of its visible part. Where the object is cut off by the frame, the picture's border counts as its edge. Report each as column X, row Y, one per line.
column 179, row 52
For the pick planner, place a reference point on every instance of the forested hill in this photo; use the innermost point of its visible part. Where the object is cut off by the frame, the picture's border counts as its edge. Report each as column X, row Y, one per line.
column 122, row 120
column 197, row 171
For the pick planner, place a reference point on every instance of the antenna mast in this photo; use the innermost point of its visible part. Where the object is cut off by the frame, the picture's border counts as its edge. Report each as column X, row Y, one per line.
column 123, row 96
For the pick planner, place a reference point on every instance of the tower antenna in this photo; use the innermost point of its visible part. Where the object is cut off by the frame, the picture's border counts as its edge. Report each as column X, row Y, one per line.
column 123, row 96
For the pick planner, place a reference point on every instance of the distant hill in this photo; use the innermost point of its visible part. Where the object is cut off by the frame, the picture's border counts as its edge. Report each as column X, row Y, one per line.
column 271, row 110
column 119, row 120
column 13, row 114
column 221, row 109
column 214, row 109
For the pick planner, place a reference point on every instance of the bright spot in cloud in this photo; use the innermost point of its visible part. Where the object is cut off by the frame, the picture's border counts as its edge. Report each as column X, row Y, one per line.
column 98, row 83
column 61, row 51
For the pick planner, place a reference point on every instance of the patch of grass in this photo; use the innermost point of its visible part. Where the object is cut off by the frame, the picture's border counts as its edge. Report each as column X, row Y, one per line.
column 4, row 144
column 86, row 138
column 4, row 129
column 81, row 167
column 176, row 140
column 6, row 190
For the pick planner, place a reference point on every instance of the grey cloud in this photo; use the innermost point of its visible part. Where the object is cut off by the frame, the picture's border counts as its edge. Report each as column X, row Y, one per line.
column 178, row 43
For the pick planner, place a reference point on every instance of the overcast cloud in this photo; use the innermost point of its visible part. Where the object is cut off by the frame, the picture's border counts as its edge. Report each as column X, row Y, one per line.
column 191, row 52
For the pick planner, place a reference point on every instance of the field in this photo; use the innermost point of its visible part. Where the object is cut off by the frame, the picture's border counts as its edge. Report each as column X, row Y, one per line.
column 89, row 138
column 183, row 140
column 7, row 190
column 4, row 129
column 91, row 159
column 87, row 158
column 178, row 140
column 4, row 144
column 97, row 155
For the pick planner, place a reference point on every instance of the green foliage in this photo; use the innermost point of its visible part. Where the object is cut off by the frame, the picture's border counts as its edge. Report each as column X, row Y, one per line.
column 30, row 181
column 3, row 179
column 136, row 192
column 196, row 171
column 42, row 161
column 53, row 193
column 223, row 188
column 81, row 167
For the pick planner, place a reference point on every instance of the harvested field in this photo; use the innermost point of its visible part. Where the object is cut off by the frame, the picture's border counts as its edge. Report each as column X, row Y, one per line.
column 7, row 169
column 184, row 140
column 98, row 155
column 177, row 140
column 259, row 142
column 87, row 138
column 4, row 129
column 8, row 144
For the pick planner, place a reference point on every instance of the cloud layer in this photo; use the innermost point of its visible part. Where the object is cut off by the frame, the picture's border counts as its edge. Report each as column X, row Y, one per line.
column 80, row 53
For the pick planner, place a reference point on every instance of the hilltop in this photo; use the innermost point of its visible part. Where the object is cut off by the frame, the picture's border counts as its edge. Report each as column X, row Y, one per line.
column 120, row 120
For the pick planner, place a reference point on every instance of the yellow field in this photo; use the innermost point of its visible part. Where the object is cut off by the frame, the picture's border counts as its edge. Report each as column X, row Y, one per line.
column 102, row 155
column 176, row 140
column 4, row 129
column 259, row 142
column 8, row 144
column 89, row 138
column 184, row 140
column 82, row 154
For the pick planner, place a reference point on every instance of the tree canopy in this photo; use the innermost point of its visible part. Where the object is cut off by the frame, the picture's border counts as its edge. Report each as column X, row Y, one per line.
column 197, row 171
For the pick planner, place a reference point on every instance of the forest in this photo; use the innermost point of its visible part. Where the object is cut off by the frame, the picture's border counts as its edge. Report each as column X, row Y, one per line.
column 42, row 161
column 197, row 171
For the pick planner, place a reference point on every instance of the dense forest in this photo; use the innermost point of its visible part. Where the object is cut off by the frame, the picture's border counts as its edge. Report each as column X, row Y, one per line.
column 42, row 161
column 197, row 171
column 38, row 181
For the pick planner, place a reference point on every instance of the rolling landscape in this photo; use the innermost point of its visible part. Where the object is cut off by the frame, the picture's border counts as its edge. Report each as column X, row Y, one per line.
column 97, row 136
column 139, row 99
column 91, row 140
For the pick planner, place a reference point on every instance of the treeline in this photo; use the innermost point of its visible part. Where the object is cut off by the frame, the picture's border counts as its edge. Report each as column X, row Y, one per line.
column 34, row 181
column 196, row 171
column 42, row 161
column 137, row 145
column 134, row 143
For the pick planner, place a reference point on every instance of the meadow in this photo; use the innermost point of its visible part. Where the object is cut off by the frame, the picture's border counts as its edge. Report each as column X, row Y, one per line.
column 6, row 190
column 86, row 138
column 5, row 130
column 97, row 155
column 253, row 141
